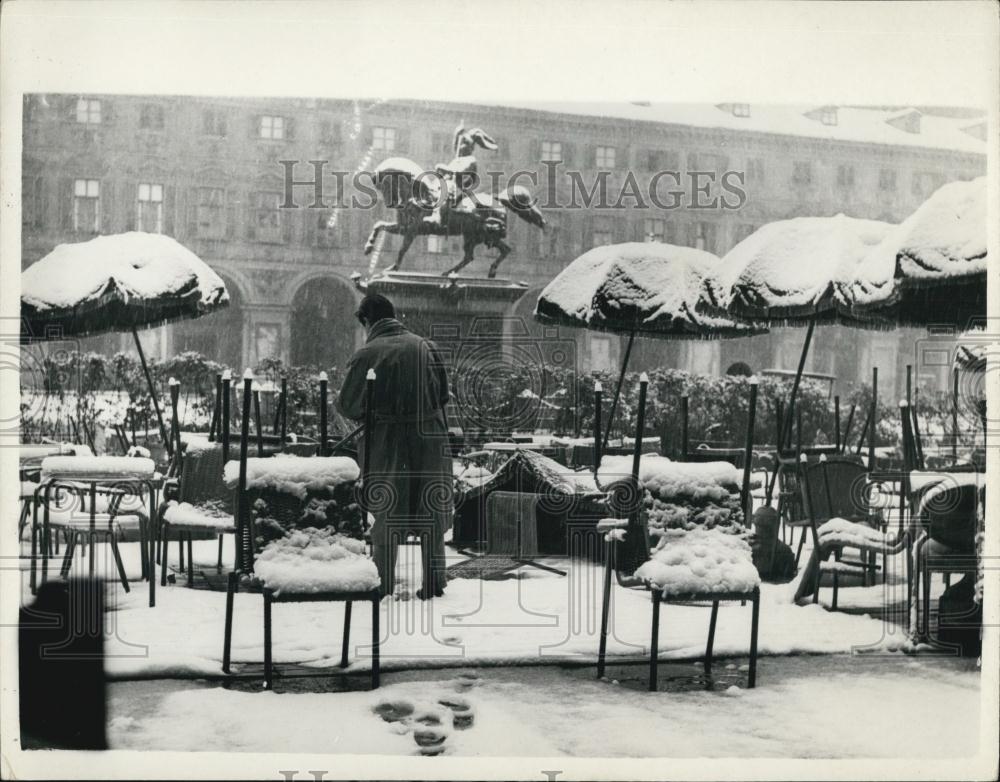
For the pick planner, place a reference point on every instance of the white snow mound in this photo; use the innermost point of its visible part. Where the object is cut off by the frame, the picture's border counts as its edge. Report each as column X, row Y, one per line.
column 294, row 474
column 700, row 562
column 310, row 561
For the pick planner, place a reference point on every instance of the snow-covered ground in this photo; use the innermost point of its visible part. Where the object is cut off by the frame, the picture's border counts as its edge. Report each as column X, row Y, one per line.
column 809, row 707
column 538, row 617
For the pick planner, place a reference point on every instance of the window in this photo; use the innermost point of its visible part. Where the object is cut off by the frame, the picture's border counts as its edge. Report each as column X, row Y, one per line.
column 828, row 116
column 211, row 212
column 743, row 230
column 384, row 139
column 151, row 117
column 272, row 127
column 659, row 160
column 150, row 208
column 652, row 230
column 437, row 244
column 845, row 176
column 266, row 225
column 88, row 111
column 213, row 123
column 924, row 183
column 801, row 173
column 604, row 158
column 600, row 353
column 703, row 236
column 552, row 152
column 602, row 233
column 329, row 132
column 755, row 170
column 86, row 205
column 886, row 179
column 442, row 145
column 741, row 109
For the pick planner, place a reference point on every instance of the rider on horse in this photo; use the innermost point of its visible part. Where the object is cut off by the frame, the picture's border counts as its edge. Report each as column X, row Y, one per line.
column 460, row 175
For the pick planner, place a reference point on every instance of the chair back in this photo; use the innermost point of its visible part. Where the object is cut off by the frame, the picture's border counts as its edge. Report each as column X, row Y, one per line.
column 201, row 476
column 950, row 516
column 845, row 485
column 511, row 524
column 814, row 498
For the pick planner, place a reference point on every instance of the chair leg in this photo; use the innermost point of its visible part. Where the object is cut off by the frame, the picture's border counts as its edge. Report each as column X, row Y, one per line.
column 711, row 636
column 227, row 641
column 218, row 565
column 836, row 582
column 376, row 672
column 91, row 553
column 798, row 550
column 268, row 672
column 947, row 579
column 32, row 580
column 654, row 641
column 180, row 551
column 22, row 521
column 142, row 549
column 118, row 562
column 346, row 638
column 190, row 559
column 68, row 556
column 44, row 543
column 605, row 610
column 926, row 600
column 164, row 549
column 754, row 628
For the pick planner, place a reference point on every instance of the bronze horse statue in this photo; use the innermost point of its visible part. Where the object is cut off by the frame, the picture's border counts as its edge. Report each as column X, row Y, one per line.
column 438, row 203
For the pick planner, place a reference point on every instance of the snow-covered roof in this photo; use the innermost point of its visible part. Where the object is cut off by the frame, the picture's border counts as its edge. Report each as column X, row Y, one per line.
column 786, row 268
column 868, row 125
column 115, row 282
column 648, row 287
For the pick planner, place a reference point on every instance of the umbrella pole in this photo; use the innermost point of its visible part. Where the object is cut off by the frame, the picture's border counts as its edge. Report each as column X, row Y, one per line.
column 152, row 392
column 874, row 421
column 618, row 388
column 798, row 374
column 748, row 455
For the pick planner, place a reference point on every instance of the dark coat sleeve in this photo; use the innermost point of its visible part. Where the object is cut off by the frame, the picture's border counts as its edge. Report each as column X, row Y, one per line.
column 351, row 400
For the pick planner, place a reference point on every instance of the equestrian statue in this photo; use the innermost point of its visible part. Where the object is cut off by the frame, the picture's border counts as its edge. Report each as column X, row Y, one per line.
column 445, row 202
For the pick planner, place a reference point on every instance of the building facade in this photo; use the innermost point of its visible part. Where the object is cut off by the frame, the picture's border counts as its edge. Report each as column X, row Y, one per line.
column 208, row 171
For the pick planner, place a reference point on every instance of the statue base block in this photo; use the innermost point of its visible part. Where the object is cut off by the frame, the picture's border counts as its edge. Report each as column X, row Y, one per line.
column 451, row 288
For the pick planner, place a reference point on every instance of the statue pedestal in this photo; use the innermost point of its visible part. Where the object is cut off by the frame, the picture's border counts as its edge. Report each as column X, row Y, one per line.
column 446, row 308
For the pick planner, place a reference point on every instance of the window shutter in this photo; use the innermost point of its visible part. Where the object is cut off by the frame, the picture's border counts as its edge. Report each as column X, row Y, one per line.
column 251, row 226
column 535, row 153
column 107, row 111
column 231, row 213
column 108, row 210
column 290, row 128
column 190, row 208
column 130, row 207
column 169, row 205
column 402, row 139
column 311, row 225
column 254, row 128
column 66, row 204
column 568, row 153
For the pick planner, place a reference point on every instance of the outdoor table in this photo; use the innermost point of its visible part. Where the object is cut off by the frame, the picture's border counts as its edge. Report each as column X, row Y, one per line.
column 116, row 477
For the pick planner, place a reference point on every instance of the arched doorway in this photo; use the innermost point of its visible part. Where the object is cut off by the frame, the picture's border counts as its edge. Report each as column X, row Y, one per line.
column 218, row 336
column 324, row 329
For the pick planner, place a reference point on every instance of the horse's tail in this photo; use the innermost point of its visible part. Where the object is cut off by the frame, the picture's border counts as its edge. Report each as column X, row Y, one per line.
column 519, row 200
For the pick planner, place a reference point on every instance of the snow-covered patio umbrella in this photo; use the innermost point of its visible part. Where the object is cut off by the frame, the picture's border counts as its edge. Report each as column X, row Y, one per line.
column 785, row 273
column 930, row 269
column 121, row 282
column 646, row 288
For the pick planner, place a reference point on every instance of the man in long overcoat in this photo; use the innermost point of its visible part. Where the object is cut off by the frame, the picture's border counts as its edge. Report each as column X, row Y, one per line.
column 410, row 483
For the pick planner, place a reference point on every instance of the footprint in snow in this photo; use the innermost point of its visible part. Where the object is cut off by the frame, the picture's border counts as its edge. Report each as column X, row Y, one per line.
column 394, row 711
column 462, row 714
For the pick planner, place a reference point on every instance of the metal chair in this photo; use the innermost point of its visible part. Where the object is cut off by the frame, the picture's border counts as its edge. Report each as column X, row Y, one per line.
column 283, row 502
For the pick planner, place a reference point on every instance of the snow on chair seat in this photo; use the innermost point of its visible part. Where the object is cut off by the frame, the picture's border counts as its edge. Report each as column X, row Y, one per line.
column 700, row 562
column 841, row 532
column 313, row 561
column 204, row 516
